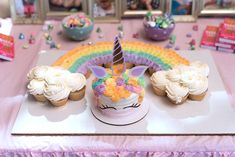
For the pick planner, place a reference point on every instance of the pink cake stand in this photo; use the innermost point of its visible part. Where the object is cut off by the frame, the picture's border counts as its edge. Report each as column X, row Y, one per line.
column 137, row 115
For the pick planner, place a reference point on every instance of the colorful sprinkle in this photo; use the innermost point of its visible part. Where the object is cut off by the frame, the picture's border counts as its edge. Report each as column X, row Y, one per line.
column 101, row 36
column 25, row 46
column 135, row 35
column 168, row 46
column 98, row 30
column 21, row 36
column 177, row 48
column 188, row 35
column 58, row 46
column 192, row 42
column 59, row 33
column 31, row 39
column 172, row 39
column 195, row 27
column 52, row 45
column 192, row 47
column 120, row 28
column 50, row 27
column 120, row 34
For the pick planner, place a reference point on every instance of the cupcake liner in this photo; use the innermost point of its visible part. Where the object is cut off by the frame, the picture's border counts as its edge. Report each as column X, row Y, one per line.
column 40, row 97
column 159, row 92
column 197, row 97
column 59, row 103
column 77, row 95
column 179, row 103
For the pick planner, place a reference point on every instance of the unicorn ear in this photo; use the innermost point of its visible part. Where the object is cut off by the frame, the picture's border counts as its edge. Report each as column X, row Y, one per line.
column 137, row 71
column 98, row 71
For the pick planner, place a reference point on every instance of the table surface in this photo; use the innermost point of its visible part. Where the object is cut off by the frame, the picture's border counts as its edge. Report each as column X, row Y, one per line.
column 13, row 81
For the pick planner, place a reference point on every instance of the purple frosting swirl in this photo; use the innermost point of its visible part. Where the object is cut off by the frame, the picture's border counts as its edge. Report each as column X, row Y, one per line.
column 120, row 82
column 129, row 88
column 107, row 59
column 100, row 89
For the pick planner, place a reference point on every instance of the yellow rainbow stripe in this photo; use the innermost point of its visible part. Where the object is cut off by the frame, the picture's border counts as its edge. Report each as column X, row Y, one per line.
column 136, row 52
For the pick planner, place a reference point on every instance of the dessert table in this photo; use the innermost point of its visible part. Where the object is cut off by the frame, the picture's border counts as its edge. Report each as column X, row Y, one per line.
column 13, row 82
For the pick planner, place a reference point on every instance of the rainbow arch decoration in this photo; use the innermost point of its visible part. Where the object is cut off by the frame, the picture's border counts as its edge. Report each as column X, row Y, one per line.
column 79, row 59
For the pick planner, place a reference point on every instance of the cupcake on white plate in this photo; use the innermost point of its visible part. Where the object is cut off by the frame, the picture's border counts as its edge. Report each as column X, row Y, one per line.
column 36, row 88
column 38, row 72
column 57, row 92
column 77, row 83
column 159, row 82
column 189, row 77
column 57, row 74
column 198, row 89
column 176, row 93
column 174, row 75
column 202, row 68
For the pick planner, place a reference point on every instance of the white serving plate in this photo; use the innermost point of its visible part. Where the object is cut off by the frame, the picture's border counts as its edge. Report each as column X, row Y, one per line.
column 212, row 115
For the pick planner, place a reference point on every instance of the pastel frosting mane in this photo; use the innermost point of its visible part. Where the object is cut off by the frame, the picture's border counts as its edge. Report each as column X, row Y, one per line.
column 155, row 57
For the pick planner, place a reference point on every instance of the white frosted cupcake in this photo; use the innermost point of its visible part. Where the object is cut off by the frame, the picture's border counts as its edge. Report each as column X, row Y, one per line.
column 198, row 89
column 176, row 93
column 201, row 67
column 77, row 83
column 174, row 75
column 189, row 77
column 38, row 72
column 58, row 72
column 57, row 93
column 36, row 88
column 159, row 82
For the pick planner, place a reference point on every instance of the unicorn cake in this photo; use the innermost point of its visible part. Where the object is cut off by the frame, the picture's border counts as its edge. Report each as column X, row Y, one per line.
column 119, row 92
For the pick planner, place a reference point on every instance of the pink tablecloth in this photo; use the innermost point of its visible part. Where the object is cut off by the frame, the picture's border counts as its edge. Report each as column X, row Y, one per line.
column 13, row 81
